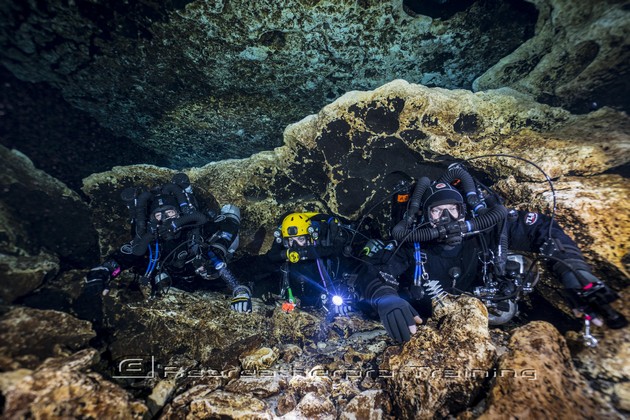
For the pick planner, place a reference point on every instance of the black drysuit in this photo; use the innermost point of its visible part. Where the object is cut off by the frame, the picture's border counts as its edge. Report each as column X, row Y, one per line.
column 459, row 268
column 320, row 269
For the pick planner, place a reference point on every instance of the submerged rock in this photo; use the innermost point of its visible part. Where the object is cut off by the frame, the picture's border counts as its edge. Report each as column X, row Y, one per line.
column 200, row 326
column 29, row 336
column 368, row 405
column 442, row 370
column 40, row 215
column 217, row 404
column 241, row 71
column 575, row 58
column 23, row 274
column 536, row 379
column 61, row 388
column 606, row 367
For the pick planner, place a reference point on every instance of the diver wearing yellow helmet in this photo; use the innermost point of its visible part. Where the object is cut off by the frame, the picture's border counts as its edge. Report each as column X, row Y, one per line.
column 310, row 247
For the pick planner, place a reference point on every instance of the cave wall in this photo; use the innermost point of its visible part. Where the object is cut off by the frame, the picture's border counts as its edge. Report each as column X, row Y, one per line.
column 578, row 58
column 198, row 81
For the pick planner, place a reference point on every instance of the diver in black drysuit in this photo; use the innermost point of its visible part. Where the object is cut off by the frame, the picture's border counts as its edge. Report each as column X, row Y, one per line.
column 172, row 242
column 310, row 254
column 435, row 247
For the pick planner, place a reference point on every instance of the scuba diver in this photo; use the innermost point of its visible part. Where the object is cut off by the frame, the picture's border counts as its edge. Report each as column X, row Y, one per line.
column 313, row 252
column 172, row 241
column 455, row 236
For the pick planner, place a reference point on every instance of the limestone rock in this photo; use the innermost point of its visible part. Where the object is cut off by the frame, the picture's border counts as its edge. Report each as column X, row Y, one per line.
column 369, row 405
column 60, row 389
column 290, row 352
column 260, row 358
column 313, row 406
column 298, row 327
column 312, row 383
column 29, row 336
column 262, row 384
column 160, row 394
column 10, row 378
column 536, row 379
column 201, row 324
column 218, row 404
column 242, row 71
column 581, row 204
column 441, row 371
column 41, row 215
column 23, row 274
column 606, row 366
column 58, row 293
column 574, row 57
column 179, row 406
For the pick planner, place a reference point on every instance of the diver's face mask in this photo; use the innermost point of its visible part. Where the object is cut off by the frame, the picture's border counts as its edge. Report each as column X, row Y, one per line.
column 296, row 241
column 444, row 214
column 162, row 216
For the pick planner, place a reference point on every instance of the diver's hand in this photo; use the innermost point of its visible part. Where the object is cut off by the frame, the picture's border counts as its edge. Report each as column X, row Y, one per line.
column 97, row 281
column 592, row 302
column 241, row 300
column 342, row 310
column 89, row 304
column 398, row 317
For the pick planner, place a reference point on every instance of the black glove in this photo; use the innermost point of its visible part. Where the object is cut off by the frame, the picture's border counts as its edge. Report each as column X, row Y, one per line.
column 97, row 280
column 89, row 305
column 241, row 300
column 302, row 253
column 396, row 314
column 593, row 298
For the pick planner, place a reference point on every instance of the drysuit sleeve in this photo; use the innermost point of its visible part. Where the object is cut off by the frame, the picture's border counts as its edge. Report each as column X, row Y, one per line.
column 382, row 270
column 530, row 232
column 583, row 291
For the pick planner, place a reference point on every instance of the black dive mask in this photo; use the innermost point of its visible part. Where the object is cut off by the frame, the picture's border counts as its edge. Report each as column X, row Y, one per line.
column 445, row 219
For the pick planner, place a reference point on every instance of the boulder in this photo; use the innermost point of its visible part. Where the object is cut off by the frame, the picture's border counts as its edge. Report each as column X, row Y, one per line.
column 42, row 216
column 442, row 370
column 29, row 336
column 198, row 325
column 23, row 274
column 63, row 388
column 204, row 403
column 536, row 379
column 368, row 405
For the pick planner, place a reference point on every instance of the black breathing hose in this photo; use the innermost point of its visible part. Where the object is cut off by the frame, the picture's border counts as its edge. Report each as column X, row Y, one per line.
column 182, row 200
column 140, row 243
column 483, row 222
column 414, row 203
column 141, row 213
column 495, row 215
column 194, row 217
column 468, row 184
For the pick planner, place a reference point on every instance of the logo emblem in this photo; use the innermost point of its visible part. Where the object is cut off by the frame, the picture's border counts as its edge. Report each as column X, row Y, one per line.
column 531, row 218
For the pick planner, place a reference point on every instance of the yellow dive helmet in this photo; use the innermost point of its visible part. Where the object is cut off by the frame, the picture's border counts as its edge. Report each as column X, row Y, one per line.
column 296, row 224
